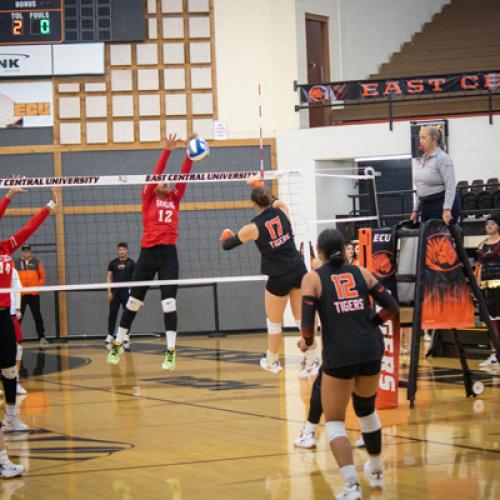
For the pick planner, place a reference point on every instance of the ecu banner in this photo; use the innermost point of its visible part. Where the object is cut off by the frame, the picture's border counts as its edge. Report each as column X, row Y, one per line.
column 377, row 254
column 365, row 90
column 447, row 299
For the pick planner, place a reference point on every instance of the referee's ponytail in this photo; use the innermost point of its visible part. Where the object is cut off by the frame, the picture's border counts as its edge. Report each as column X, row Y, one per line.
column 331, row 242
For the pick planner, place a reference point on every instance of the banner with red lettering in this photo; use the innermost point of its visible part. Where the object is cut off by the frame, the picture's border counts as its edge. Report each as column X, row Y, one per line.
column 365, row 90
column 447, row 297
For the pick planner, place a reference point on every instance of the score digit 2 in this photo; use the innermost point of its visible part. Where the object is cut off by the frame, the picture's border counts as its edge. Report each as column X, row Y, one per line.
column 17, row 27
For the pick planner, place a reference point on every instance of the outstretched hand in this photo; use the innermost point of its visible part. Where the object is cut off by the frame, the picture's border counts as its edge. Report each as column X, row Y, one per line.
column 53, row 201
column 172, row 142
column 13, row 191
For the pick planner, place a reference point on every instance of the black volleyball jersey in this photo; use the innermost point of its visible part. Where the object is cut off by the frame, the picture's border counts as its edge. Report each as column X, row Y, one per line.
column 349, row 336
column 490, row 262
column 275, row 243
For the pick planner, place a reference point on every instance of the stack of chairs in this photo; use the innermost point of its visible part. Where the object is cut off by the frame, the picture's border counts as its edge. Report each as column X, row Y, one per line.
column 480, row 195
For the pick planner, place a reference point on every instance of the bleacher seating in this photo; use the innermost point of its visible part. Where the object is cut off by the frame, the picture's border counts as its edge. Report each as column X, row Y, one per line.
column 464, row 36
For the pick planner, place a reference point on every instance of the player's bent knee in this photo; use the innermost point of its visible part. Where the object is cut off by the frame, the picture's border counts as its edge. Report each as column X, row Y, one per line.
column 19, row 352
column 134, row 304
column 363, row 406
column 10, row 372
column 335, row 429
column 273, row 328
column 169, row 305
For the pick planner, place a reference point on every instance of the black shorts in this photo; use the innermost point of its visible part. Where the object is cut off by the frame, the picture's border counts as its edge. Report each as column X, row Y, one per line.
column 161, row 260
column 282, row 285
column 8, row 345
column 367, row 369
column 492, row 299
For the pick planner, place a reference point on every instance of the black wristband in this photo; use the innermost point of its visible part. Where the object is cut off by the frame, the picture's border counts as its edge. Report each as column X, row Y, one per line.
column 232, row 242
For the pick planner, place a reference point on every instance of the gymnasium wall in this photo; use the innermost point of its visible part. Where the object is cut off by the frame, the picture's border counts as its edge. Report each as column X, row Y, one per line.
column 473, row 145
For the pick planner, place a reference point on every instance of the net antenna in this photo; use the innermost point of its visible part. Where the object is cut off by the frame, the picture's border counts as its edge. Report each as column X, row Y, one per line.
column 261, row 133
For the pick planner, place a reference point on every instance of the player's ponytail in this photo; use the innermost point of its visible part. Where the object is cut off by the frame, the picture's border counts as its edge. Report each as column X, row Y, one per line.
column 331, row 243
column 261, row 197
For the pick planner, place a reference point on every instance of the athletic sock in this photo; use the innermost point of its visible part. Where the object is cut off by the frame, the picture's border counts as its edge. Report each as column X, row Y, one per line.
column 309, row 427
column 272, row 357
column 121, row 335
column 376, row 464
column 171, row 337
column 349, row 475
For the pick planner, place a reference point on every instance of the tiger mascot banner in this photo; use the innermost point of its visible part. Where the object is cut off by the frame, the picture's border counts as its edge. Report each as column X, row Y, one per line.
column 447, row 298
column 377, row 254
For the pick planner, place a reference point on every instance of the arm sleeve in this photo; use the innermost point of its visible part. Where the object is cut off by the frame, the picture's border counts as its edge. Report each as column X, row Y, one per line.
column 41, row 273
column 447, row 171
column 308, row 314
column 232, row 242
column 160, row 167
column 15, row 241
column 180, row 187
column 388, row 303
column 3, row 205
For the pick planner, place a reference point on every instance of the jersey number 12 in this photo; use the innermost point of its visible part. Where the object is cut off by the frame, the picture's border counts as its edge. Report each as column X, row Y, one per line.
column 345, row 286
column 165, row 215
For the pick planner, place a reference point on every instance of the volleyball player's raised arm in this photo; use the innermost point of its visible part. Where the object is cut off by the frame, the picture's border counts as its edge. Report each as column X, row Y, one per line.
column 6, row 199
column 14, row 242
column 180, row 187
column 171, row 143
column 383, row 298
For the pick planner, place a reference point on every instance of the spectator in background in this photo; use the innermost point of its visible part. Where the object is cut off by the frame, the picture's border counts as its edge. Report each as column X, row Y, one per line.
column 32, row 274
column 119, row 270
column 488, row 277
column 434, row 179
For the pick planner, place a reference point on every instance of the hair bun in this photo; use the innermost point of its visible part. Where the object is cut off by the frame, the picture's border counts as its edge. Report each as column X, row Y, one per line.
column 336, row 258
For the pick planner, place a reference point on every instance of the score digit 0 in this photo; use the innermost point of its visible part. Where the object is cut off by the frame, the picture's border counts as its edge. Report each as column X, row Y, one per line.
column 17, row 27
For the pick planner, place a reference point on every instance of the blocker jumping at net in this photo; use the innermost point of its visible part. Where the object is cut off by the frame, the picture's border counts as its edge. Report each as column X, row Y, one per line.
column 160, row 215
column 352, row 352
column 8, row 345
column 271, row 231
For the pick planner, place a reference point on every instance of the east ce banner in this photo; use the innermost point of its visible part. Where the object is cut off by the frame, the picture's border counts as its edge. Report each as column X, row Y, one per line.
column 365, row 90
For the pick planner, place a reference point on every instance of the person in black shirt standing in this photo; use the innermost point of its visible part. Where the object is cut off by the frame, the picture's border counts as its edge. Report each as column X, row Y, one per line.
column 352, row 352
column 281, row 261
column 119, row 270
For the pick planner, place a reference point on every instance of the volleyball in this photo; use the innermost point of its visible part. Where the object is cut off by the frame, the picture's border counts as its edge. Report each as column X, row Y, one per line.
column 197, row 149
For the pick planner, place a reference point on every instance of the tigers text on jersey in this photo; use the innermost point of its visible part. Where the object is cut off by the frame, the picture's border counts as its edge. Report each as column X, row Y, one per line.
column 160, row 216
column 348, row 333
column 275, row 243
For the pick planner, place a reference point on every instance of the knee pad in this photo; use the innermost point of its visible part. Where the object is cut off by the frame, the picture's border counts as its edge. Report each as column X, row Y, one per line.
column 298, row 323
column 335, row 429
column 10, row 372
column 370, row 423
column 19, row 352
column 363, row 406
column 134, row 304
column 273, row 328
column 168, row 305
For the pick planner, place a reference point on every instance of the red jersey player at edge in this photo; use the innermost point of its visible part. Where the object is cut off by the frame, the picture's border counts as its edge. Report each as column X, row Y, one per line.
column 160, row 216
column 352, row 352
column 8, row 345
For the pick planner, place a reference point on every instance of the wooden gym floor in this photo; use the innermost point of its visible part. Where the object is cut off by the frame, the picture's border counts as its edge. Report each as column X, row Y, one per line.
column 221, row 428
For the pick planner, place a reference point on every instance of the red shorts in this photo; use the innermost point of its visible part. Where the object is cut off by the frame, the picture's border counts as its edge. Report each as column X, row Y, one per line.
column 17, row 328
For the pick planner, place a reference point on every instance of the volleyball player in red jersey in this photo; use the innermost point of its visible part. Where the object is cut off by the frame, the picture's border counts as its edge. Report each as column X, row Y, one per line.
column 160, row 216
column 8, row 346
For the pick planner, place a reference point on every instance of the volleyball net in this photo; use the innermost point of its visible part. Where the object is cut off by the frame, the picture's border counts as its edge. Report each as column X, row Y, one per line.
column 95, row 213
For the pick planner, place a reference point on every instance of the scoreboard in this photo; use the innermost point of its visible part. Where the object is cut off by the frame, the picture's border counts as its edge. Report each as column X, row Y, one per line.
column 31, row 21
